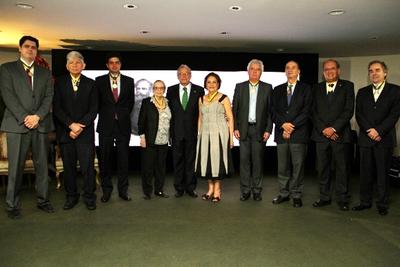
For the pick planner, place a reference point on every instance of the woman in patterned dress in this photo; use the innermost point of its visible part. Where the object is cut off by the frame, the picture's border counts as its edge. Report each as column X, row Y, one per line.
column 215, row 137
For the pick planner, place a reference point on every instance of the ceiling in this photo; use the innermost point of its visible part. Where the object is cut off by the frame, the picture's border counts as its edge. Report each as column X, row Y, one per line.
column 275, row 26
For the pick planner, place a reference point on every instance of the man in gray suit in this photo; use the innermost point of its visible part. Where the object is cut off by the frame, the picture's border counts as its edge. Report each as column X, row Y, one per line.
column 253, row 126
column 27, row 91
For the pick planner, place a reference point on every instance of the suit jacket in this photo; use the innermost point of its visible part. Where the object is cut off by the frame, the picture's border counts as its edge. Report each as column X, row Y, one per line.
column 381, row 115
column 108, row 107
column 298, row 112
column 20, row 100
column 184, row 122
column 263, row 108
column 335, row 113
column 70, row 106
column 148, row 121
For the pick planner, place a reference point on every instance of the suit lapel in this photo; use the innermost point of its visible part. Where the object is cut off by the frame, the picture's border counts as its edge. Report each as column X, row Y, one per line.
column 260, row 97
column 23, row 74
column 297, row 88
column 383, row 93
column 108, row 89
column 192, row 96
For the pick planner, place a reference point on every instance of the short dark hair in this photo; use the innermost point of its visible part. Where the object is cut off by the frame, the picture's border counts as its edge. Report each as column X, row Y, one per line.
column 331, row 60
column 216, row 76
column 383, row 64
column 28, row 38
column 113, row 54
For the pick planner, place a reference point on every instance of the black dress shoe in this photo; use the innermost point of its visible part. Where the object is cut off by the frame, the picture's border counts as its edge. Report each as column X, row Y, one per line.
column 383, row 211
column 192, row 194
column 245, row 196
column 361, row 207
column 46, row 207
column 279, row 199
column 106, row 197
column 14, row 214
column 179, row 194
column 321, row 203
column 147, row 197
column 297, row 203
column 69, row 204
column 343, row 206
column 91, row 205
column 161, row 194
column 257, row 196
column 125, row 197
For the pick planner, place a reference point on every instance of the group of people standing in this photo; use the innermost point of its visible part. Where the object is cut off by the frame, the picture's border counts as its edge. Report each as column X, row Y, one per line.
column 200, row 127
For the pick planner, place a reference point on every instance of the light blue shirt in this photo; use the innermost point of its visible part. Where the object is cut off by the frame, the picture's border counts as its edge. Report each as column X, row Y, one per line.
column 253, row 89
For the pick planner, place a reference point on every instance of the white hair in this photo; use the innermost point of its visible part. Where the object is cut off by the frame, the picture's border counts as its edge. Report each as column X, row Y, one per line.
column 256, row 61
column 75, row 54
column 184, row 66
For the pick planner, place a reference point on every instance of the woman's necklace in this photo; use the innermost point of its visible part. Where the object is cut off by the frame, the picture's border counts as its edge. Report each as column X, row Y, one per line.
column 160, row 104
column 210, row 99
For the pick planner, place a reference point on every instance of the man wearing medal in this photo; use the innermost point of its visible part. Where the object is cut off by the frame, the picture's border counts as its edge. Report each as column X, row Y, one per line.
column 27, row 92
column 116, row 100
column 75, row 108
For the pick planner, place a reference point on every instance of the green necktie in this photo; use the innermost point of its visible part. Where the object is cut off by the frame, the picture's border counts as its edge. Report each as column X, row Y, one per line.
column 185, row 98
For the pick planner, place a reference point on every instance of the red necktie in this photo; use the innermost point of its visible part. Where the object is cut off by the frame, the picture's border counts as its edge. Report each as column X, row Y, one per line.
column 115, row 90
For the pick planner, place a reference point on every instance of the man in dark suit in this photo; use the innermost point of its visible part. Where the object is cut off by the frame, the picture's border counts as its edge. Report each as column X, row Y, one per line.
column 253, row 126
column 291, row 104
column 377, row 111
column 75, row 108
column 116, row 99
column 333, row 107
column 183, row 102
column 27, row 92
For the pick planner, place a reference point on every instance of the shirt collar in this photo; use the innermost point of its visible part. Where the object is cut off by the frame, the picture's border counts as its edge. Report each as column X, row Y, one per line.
column 26, row 63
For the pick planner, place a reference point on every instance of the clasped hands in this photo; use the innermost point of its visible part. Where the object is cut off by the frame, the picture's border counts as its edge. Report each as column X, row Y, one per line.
column 330, row 133
column 288, row 129
column 374, row 135
column 76, row 129
column 31, row 121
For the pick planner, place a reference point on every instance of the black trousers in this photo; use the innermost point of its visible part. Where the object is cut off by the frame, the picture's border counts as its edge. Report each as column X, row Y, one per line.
column 251, row 162
column 154, row 162
column 184, row 156
column 332, row 158
column 106, row 144
column 70, row 154
column 375, row 163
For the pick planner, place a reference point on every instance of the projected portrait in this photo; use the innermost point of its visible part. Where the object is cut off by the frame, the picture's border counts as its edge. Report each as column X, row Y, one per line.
column 143, row 89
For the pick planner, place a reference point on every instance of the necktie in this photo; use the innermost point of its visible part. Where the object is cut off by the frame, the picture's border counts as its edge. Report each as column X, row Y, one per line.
column 376, row 91
column 115, row 90
column 185, row 98
column 289, row 93
column 28, row 72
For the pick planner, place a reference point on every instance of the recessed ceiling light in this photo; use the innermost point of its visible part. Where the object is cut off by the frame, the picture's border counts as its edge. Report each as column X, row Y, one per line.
column 336, row 12
column 280, row 49
column 24, row 5
column 130, row 6
column 235, row 8
column 144, row 32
